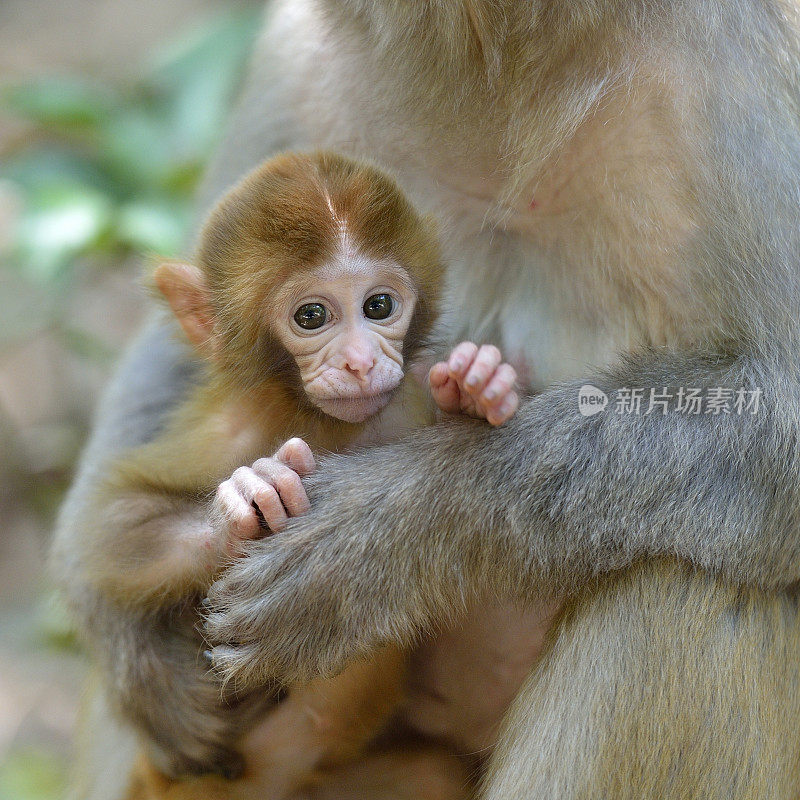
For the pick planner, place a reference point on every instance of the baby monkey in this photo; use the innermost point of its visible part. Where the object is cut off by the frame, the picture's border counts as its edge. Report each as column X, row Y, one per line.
column 315, row 284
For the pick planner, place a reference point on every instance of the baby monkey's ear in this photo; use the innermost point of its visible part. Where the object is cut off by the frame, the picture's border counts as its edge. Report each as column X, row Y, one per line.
column 185, row 289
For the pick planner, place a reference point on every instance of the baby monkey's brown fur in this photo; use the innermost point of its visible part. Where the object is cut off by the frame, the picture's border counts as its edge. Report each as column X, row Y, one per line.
column 287, row 218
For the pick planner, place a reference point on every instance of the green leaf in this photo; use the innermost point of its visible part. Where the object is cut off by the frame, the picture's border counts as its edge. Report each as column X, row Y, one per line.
column 59, row 221
column 135, row 146
column 126, row 162
column 54, row 624
column 154, row 226
column 42, row 166
column 59, row 102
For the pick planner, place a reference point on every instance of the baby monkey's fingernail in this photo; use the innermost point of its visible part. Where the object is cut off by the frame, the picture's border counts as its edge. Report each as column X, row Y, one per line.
column 457, row 364
column 490, row 394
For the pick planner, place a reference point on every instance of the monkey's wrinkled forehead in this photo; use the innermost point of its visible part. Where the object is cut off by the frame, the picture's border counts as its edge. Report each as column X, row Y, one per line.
column 297, row 211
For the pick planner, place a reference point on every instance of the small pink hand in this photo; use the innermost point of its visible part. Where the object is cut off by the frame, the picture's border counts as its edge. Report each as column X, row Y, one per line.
column 476, row 382
column 269, row 490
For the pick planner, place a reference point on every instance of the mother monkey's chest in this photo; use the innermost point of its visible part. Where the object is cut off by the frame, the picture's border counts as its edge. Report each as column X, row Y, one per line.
column 591, row 251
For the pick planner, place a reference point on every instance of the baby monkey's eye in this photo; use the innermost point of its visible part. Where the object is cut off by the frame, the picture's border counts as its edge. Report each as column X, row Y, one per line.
column 379, row 306
column 311, row 316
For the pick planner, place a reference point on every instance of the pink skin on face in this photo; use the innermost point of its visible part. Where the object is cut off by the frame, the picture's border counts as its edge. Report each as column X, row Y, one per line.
column 475, row 381
column 352, row 363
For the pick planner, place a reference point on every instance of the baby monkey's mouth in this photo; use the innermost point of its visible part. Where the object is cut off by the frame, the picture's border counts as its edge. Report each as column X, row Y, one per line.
column 358, row 408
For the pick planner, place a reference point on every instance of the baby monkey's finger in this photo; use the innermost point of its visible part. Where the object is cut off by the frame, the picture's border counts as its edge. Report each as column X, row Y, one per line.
column 295, row 453
column 285, row 481
column 444, row 390
column 437, row 376
column 292, row 492
column 483, row 367
column 499, row 385
column 269, row 504
column 461, row 358
column 261, row 494
column 497, row 415
column 235, row 512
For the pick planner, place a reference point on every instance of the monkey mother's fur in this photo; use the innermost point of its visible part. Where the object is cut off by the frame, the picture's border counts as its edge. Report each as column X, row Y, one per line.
column 620, row 181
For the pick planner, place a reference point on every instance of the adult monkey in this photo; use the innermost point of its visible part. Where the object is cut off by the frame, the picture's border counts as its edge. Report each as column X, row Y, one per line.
column 622, row 183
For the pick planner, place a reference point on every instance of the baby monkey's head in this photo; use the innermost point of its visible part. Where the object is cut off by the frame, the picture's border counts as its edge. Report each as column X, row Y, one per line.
column 317, row 270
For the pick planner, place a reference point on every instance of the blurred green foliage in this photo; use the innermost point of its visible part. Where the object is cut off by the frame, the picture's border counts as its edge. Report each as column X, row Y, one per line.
column 112, row 169
column 31, row 775
column 103, row 171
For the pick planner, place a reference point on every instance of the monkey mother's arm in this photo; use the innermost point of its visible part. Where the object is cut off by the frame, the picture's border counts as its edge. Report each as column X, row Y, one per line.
column 401, row 536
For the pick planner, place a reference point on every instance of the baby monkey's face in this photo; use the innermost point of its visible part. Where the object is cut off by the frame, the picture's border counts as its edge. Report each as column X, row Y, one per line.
column 344, row 324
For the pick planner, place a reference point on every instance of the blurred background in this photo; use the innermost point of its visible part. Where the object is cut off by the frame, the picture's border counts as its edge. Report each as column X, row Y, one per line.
column 108, row 114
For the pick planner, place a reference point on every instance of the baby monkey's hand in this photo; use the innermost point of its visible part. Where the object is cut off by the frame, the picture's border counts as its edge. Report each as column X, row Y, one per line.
column 474, row 381
column 270, row 491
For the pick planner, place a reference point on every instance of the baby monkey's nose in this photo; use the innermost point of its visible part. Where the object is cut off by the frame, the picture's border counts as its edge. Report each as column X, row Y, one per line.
column 359, row 362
